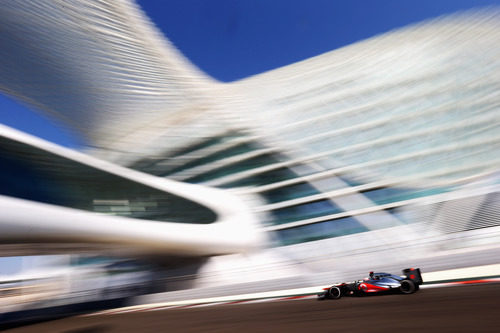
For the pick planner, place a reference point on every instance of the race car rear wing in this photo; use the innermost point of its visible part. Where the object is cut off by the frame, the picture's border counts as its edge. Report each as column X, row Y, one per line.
column 414, row 275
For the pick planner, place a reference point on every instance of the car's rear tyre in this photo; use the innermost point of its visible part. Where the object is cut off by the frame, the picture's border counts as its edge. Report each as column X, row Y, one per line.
column 335, row 292
column 408, row 287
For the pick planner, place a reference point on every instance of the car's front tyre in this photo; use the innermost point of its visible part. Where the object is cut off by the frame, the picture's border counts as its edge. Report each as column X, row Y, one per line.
column 335, row 293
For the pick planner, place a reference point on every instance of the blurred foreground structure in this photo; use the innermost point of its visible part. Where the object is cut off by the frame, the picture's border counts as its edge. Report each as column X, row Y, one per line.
column 383, row 153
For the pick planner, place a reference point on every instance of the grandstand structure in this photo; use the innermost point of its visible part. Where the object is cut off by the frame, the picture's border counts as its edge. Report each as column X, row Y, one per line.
column 392, row 142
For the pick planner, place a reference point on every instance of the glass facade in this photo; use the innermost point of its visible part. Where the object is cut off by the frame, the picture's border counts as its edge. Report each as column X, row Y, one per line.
column 289, row 192
column 264, row 178
column 387, row 195
column 302, row 210
column 226, row 153
column 34, row 174
column 311, row 232
column 239, row 166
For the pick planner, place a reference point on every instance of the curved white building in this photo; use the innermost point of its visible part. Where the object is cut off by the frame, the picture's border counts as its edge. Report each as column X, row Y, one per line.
column 394, row 140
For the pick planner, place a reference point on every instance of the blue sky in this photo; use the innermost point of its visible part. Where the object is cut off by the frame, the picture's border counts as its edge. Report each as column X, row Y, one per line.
column 233, row 39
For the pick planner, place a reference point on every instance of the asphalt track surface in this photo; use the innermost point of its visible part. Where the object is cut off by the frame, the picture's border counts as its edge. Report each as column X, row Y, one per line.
column 468, row 308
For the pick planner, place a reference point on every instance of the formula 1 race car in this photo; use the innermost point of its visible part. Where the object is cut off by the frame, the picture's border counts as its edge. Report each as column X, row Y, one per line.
column 376, row 283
